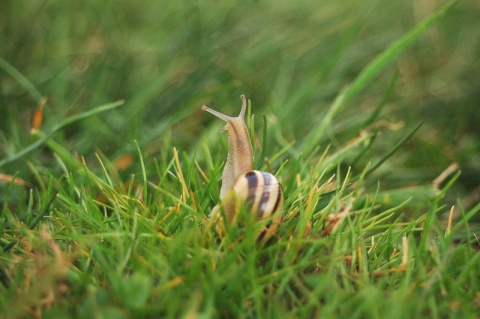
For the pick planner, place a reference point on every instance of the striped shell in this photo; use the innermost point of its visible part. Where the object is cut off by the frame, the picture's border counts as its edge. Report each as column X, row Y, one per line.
column 261, row 193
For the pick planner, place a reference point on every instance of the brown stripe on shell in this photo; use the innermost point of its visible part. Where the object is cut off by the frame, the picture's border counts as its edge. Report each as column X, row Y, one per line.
column 279, row 199
column 252, row 180
column 261, row 192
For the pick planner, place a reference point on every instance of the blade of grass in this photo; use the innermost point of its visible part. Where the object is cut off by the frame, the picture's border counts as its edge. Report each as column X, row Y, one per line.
column 374, row 116
column 464, row 221
column 52, row 196
column 394, row 51
column 58, row 127
column 367, row 148
column 386, row 157
column 385, row 58
column 144, row 173
column 382, row 103
column 21, row 79
column 264, row 143
column 394, row 149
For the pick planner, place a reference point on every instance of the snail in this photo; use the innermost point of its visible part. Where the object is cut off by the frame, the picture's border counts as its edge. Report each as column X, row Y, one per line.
column 241, row 185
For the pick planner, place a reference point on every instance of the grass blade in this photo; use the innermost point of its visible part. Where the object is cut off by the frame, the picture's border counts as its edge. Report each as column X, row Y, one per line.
column 52, row 195
column 385, row 58
column 382, row 103
column 21, row 79
column 43, row 211
column 393, row 52
column 58, row 127
column 394, row 149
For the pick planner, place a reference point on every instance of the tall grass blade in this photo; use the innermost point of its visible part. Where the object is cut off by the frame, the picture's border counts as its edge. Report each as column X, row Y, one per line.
column 60, row 126
column 21, row 79
column 369, row 73
column 394, row 149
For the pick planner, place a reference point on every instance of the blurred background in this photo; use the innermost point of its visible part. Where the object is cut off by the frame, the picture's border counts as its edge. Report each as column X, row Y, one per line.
column 167, row 58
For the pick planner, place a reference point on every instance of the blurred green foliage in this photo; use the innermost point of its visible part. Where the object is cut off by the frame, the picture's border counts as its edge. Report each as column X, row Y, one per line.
column 165, row 59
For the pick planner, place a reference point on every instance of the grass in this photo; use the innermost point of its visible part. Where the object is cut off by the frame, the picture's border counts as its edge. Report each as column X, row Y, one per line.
column 105, row 195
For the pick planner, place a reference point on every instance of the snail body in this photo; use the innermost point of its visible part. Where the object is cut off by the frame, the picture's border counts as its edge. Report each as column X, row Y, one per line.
column 260, row 192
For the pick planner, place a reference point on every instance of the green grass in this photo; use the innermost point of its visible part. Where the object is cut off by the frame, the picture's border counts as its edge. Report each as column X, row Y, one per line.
column 356, row 108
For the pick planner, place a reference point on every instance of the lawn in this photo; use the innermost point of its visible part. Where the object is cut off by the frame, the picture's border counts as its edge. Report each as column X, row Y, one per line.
column 366, row 112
